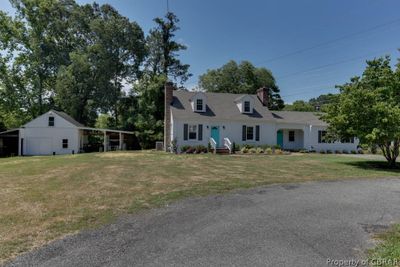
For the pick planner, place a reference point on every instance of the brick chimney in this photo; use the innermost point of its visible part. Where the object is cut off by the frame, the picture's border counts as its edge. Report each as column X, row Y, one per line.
column 168, row 91
column 262, row 94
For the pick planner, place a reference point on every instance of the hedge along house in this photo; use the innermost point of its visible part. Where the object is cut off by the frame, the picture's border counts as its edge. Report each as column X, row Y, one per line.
column 55, row 133
column 220, row 119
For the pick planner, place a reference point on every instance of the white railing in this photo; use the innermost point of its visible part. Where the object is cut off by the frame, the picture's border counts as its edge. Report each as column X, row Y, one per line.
column 213, row 144
column 228, row 144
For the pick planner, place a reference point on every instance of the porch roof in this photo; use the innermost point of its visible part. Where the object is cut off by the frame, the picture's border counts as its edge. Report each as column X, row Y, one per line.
column 105, row 130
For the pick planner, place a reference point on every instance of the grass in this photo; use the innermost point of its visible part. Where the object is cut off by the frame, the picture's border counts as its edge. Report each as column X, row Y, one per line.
column 387, row 253
column 45, row 198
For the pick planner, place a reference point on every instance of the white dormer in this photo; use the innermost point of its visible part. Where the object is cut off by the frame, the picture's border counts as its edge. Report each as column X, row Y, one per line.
column 198, row 102
column 245, row 104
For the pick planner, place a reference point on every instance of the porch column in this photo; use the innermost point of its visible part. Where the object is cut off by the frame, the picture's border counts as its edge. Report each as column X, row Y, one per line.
column 105, row 141
column 120, row 141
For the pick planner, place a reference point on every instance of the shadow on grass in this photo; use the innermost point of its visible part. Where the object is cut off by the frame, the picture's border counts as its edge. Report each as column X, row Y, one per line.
column 375, row 165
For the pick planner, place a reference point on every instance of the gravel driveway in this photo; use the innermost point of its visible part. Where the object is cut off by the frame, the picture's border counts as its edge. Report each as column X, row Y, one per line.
column 282, row 225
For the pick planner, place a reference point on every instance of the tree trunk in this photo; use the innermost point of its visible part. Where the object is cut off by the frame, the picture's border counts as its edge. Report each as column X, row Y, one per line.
column 390, row 152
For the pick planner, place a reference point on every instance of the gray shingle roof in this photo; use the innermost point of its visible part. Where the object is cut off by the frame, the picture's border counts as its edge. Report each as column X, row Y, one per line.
column 68, row 118
column 222, row 106
column 219, row 107
column 298, row 117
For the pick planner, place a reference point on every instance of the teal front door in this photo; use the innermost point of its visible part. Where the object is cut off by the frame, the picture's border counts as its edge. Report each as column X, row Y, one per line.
column 215, row 134
column 279, row 138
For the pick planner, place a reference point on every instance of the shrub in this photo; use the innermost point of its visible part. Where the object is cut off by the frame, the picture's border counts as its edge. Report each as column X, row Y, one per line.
column 244, row 150
column 303, row 151
column 353, row 152
column 278, row 151
column 360, row 151
column 338, row 152
column 185, row 148
column 260, row 150
column 236, row 147
column 201, row 149
column 322, row 151
column 253, row 150
column 190, row 150
column 268, row 151
column 248, row 146
column 265, row 146
column 276, row 146
column 345, row 151
column 328, row 151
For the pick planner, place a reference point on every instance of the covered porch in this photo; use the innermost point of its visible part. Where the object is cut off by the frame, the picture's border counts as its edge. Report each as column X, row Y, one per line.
column 9, row 143
column 290, row 139
column 103, row 140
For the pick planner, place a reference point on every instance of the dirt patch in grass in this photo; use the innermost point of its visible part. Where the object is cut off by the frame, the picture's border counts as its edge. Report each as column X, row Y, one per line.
column 44, row 198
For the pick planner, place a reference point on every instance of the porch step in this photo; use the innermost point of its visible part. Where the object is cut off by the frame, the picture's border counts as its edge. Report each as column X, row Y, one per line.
column 222, row 150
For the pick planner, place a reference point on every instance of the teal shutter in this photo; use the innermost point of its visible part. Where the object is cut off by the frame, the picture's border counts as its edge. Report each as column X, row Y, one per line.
column 185, row 132
column 244, row 133
column 200, row 137
column 257, row 132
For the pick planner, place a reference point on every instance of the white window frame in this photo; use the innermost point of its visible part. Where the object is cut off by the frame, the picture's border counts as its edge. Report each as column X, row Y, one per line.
column 197, row 105
column 244, row 106
column 48, row 121
column 196, row 131
column 254, row 133
column 62, row 143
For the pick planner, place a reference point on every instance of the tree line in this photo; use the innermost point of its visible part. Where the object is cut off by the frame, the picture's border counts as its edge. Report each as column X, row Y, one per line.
column 100, row 67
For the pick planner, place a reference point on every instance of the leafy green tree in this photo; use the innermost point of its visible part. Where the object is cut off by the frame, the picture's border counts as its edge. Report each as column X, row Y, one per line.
column 161, row 64
column 241, row 78
column 163, row 50
column 150, row 120
column 299, row 105
column 368, row 107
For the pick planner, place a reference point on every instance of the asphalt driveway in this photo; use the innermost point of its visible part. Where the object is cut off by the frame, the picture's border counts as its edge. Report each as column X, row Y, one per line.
column 283, row 225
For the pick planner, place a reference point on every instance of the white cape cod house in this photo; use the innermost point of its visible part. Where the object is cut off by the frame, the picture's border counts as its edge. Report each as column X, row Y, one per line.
column 55, row 133
column 199, row 118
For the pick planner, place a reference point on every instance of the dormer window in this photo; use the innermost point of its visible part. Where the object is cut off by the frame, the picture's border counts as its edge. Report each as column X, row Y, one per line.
column 198, row 102
column 51, row 121
column 246, row 106
column 199, row 105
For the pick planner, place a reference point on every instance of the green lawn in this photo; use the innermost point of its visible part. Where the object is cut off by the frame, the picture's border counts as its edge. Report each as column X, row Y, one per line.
column 44, row 198
column 388, row 251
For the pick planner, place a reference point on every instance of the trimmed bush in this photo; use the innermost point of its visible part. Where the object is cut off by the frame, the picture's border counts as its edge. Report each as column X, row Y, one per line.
column 345, row 151
column 338, row 152
column 268, row 151
column 322, row 151
column 201, row 149
column 185, row 148
column 253, row 150
column 278, row 151
column 328, row 151
column 260, row 150
column 244, row 150
column 236, row 147
column 353, row 152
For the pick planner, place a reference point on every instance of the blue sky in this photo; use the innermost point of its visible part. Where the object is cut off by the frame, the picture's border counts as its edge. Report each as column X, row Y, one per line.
column 258, row 31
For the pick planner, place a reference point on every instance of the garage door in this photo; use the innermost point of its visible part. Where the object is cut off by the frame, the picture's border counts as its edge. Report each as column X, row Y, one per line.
column 39, row 146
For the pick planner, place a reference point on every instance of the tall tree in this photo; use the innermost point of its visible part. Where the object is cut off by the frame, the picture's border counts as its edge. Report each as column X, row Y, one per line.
column 243, row 78
column 368, row 107
column 164, row 50
column 161, row 64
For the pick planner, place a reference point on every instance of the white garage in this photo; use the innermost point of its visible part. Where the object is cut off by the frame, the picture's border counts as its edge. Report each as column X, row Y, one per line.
column 56, row 133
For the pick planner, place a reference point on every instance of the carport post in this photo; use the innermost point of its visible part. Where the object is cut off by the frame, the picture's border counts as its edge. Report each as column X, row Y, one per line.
column 105, row 141
column 120, row 141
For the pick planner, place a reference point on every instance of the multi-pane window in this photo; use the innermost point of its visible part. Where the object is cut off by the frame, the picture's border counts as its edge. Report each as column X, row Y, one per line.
column 199, row 104
column 249, row 132
column 51, row 121
column 291, row 136
column 347, row 140
column 65, row 143
column 246, row 106
column 192, row 132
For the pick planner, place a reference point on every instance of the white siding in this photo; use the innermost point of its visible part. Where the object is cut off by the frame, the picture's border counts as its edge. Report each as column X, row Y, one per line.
column 306, row 136
column 41, row 139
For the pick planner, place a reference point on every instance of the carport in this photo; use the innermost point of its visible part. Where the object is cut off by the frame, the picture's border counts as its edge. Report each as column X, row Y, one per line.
column 9, row 143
